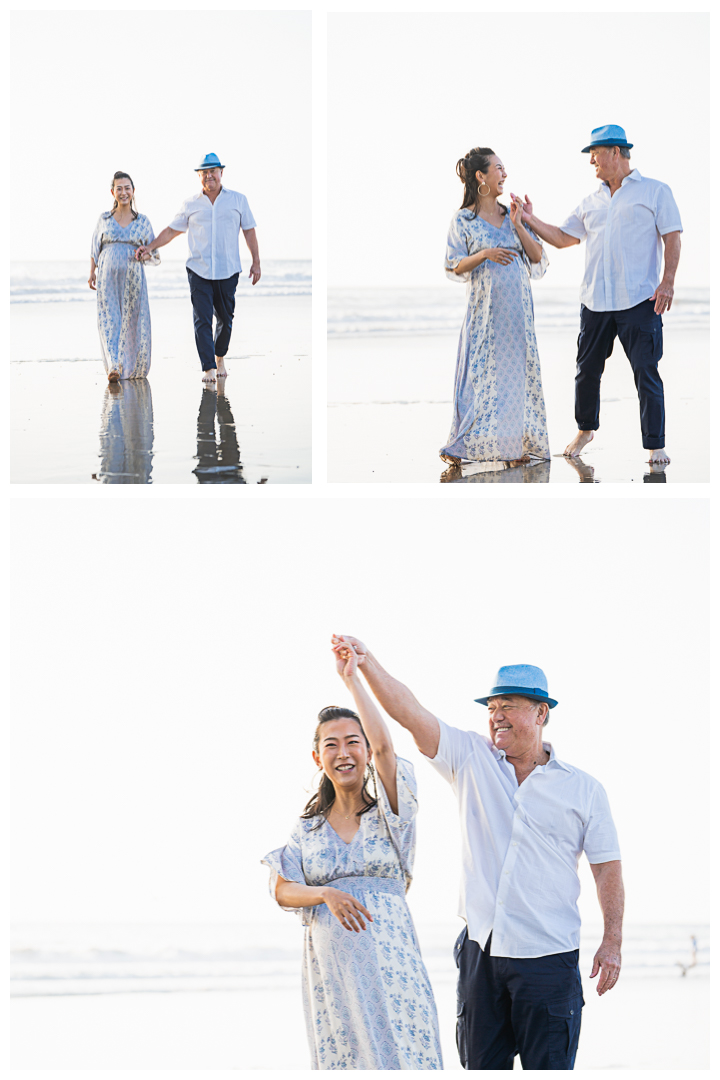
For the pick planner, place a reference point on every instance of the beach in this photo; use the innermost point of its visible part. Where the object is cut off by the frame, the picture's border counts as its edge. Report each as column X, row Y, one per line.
column 70, row 427
column 223, row 1008
column 390, row 394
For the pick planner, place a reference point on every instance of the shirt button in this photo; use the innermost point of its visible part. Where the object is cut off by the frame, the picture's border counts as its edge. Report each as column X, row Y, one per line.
column 506, row 873
column 515, row 843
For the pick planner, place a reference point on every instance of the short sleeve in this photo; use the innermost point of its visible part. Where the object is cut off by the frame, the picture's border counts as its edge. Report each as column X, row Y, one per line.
column 181, row 220
column 96, row 243
column 667, row 215
column 456, row 250
column 574, row 225
column 536, row 270
column 600, row 842
column 453, row 750
column 247, row 221
column 286, row 862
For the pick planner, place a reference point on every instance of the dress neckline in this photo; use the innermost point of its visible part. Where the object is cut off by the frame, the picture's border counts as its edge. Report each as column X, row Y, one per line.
column 347, row 843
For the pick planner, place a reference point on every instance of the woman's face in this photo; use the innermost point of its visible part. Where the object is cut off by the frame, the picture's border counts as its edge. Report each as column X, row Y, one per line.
column 123, row 191
column 495, row 177
column 342, row 753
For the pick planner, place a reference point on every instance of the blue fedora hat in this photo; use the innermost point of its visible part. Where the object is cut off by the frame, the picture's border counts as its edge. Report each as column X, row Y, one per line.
column 522, row 679
column 210, row 161
column 607, row 135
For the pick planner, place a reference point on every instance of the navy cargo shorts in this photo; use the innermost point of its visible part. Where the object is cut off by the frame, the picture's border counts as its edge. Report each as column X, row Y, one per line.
column 508, row 1005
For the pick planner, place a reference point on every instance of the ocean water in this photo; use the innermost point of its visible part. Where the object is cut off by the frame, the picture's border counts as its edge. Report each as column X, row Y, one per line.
column 63, row 960
column 44, row 282
column 368, row 313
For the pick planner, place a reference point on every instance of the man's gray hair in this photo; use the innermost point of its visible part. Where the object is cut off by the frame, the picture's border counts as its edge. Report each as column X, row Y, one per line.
column 624, row 152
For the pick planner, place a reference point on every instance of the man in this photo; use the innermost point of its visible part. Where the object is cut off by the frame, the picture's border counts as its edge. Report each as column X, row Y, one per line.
column 213, row 219
column 625, row 222
column 525, row 819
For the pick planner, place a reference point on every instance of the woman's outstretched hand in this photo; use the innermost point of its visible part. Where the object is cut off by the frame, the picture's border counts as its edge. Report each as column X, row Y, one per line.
column 346, row 659
column 346, row 909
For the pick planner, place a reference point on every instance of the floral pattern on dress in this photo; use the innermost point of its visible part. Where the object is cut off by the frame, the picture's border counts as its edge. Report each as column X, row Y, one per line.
column 367, row 997
column 122, row 297
column 499, row 408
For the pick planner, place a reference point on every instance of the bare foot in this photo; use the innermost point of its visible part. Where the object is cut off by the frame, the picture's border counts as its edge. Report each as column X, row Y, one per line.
column 209, row 375
column 221, row 369
column 450, row 460
column 579, row 442
column 659, row 457
column 113, row 376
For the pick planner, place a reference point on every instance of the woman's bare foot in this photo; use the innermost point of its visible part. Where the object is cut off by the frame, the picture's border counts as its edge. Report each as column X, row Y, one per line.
column 209, row 375
column 450, row 460
column 579, row 442
column 221, row 369
column 113, row 376
column 659, row 457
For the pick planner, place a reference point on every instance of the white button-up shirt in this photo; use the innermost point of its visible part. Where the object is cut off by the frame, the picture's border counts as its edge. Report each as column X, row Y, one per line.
column 213, row 232
column 623, row 258
column 521, row 844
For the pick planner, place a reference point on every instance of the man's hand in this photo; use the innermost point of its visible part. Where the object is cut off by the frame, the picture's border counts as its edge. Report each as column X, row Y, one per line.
column 254, row 274
column 346, row 660
column 607, row 961
column 527, row 206
column 355, row 644
column 142, row 252
column 663, row 297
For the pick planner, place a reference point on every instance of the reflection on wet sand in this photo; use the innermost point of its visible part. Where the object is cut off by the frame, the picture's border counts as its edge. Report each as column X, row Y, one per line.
column 498, row 472
column 126, row 433
column 218, row 460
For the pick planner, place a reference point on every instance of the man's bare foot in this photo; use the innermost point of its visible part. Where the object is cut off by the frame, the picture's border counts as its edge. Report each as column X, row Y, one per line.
column 659, row 457
column 113, row 376
column 221, row 369
column 579, row 442
column 209, row 375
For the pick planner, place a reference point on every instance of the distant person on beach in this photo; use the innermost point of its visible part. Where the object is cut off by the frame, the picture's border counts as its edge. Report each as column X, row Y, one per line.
column 118, row 276
column 213, row 219
column 626, row 222
column 499, row 409
column 525, row 819
column 345, row 870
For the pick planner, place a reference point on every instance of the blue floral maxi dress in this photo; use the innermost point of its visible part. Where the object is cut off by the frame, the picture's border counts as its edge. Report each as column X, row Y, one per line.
column 499, row 409
column 122, row 298
column 367, row 997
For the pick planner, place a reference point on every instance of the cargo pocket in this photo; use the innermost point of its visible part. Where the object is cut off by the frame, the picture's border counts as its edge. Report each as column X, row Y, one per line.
column 461, row 1034
column 564, row 1031
column 652, row 343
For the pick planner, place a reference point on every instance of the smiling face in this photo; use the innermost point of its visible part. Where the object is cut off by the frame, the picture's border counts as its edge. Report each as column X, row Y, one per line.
column 606, row 161
column 123, row 191
column 211, row 180
column 343, row 753
column 495, row 177
column 515, row 723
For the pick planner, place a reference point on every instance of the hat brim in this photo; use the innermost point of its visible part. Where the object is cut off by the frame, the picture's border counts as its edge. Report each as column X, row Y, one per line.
column 518, row 691
column 202, row 168
column 606, row 142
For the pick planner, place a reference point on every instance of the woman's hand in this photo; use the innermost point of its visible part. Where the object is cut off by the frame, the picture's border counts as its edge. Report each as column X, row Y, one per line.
column 346, row 660
column 503, row 256
column 142, row 254
column 517, row 210
column 93, row 279
column 346, row 909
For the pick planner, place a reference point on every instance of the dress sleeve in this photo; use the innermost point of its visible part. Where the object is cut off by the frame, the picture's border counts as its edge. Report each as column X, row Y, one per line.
column 286, row 862
column 600, row 842
column 456, row 250
column 536, row 270
column 407, row 797
column 96, row 243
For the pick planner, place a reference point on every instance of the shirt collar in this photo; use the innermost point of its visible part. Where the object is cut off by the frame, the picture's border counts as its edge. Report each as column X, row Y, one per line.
column 634, row 175
column 500, row 755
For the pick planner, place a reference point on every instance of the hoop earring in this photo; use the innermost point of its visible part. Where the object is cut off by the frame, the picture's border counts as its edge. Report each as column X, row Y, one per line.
column 480, row 192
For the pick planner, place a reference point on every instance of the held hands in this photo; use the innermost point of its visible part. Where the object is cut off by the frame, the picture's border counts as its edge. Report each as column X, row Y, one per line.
column 517, row 211
column 346, row 661
column 346, row 909
column 607, row 961
column 142, row 253
column 527, row 207
column 355, row 644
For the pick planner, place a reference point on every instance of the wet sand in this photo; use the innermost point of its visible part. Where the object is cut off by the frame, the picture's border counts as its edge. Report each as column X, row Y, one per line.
column 69, row 427
column 390, row 403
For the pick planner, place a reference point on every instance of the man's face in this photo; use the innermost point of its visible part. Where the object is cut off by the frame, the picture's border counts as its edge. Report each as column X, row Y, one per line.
column 514, row 722
column 211, row 180
column 604, row 158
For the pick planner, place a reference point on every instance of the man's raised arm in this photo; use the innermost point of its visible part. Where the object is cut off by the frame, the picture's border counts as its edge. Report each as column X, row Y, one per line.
column 551, row 234
column 396, row 699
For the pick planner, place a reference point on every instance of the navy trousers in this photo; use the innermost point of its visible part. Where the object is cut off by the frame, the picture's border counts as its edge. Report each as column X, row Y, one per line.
column 210, row 297
column 507, row 1006
column 640, row 331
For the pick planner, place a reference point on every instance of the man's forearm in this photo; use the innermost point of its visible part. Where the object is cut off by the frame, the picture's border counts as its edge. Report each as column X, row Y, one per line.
column 252, row 243
column 400, row 703
column 551, row 234
column 672, row 256
column 163, row 238
column 611, row 894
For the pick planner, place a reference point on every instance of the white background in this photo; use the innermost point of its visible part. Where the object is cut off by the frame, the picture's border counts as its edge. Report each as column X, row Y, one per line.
column 170, row 664
column 410, row 93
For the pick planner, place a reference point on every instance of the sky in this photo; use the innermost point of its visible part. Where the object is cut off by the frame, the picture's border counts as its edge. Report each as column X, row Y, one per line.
column 170, row 659
column 409, row 94
column 150, row 93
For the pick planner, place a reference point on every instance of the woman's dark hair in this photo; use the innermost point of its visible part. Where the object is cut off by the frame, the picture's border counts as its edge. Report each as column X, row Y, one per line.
column 124, row 176
column 476, row 160
column 323, row 799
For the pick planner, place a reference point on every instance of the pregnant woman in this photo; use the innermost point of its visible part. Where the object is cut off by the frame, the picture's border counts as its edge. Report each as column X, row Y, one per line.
column 345, row 870
column 499, row 409
column 122, row 300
